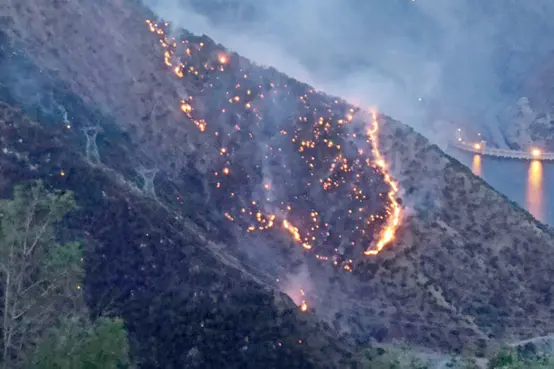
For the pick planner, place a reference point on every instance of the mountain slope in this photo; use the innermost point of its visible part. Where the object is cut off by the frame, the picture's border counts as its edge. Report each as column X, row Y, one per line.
column 180, row 303
column 474, row 253
column 466, row 269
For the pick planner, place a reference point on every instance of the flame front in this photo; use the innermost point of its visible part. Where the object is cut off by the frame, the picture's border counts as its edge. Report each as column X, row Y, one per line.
column 388, row 233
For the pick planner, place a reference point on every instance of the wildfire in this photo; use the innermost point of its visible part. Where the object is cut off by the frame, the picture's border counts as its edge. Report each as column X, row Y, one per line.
column 319, row 136
column 186, row 108
column 178, row 71
column 292, row 229
column 304, row 304
column 167, row 58
column 387, row 234
column 223, row 59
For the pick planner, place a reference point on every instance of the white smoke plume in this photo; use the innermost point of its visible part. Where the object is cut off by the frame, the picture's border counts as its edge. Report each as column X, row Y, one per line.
column 420, row 61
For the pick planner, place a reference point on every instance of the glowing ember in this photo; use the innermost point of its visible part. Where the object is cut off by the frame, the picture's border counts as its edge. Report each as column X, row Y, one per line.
column 178, row 71
column 223, row 59
column 317, row 137
column 167, row 58
column 186, row 108
column 292, row 229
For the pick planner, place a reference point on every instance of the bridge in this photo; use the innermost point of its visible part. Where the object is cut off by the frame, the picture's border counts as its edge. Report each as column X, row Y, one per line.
column 481, row 149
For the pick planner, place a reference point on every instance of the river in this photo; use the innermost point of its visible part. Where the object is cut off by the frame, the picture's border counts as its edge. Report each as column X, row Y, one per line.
column 525, row 182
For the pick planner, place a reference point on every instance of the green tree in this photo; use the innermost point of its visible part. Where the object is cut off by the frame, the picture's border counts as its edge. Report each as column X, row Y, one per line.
column 77, row 344
column 509, row 359
column 41, row 279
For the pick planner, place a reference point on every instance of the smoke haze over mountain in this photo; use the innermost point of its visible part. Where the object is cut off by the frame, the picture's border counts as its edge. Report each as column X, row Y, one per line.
column 419, row 61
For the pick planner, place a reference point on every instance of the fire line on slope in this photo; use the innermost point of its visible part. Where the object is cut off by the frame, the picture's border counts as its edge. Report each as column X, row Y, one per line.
column 394, row 210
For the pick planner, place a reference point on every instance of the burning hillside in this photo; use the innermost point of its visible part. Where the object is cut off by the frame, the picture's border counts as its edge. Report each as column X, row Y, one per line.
column 316, row 177
column 229, row 180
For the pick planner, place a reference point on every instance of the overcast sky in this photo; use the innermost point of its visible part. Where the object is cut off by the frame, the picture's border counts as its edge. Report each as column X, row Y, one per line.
column 418, row 61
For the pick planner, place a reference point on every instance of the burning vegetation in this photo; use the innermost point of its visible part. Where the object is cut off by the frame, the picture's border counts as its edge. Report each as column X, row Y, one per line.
column 322, row 180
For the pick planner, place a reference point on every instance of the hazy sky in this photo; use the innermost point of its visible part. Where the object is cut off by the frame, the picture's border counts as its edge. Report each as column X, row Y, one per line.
column 418, row 61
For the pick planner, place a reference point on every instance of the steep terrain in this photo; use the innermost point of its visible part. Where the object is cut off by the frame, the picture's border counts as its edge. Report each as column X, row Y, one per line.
column 180, row 302
column 476, row 255
column 207, row 182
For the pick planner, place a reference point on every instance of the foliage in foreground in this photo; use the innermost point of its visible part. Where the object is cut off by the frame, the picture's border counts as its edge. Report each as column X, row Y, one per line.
column 514, row 359
column 44, row 318
column 79, row 345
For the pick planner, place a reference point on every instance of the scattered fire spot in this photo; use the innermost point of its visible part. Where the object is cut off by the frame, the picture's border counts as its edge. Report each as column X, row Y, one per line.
column 343, row 171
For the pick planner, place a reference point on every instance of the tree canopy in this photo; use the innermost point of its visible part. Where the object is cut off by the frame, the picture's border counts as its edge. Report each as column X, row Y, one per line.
column 44, row 318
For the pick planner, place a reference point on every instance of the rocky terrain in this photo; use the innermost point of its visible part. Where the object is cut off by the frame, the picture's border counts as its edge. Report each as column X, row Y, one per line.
column 209, row 185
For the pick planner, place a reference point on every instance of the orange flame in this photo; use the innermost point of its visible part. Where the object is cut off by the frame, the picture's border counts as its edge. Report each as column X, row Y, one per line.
column 388, row 233
column 179, row 71
column 167, row 58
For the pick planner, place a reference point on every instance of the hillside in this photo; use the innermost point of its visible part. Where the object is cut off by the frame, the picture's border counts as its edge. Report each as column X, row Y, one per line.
column 180, row 302
column 468, row 248
column 168, row 138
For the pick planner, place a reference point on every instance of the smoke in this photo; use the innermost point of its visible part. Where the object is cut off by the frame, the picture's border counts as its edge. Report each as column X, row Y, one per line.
column 298, row 285
column 419, row 61
column 434, row 65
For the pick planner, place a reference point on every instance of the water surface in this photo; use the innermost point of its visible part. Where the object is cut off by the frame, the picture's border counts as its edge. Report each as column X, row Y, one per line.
column 525, row 182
